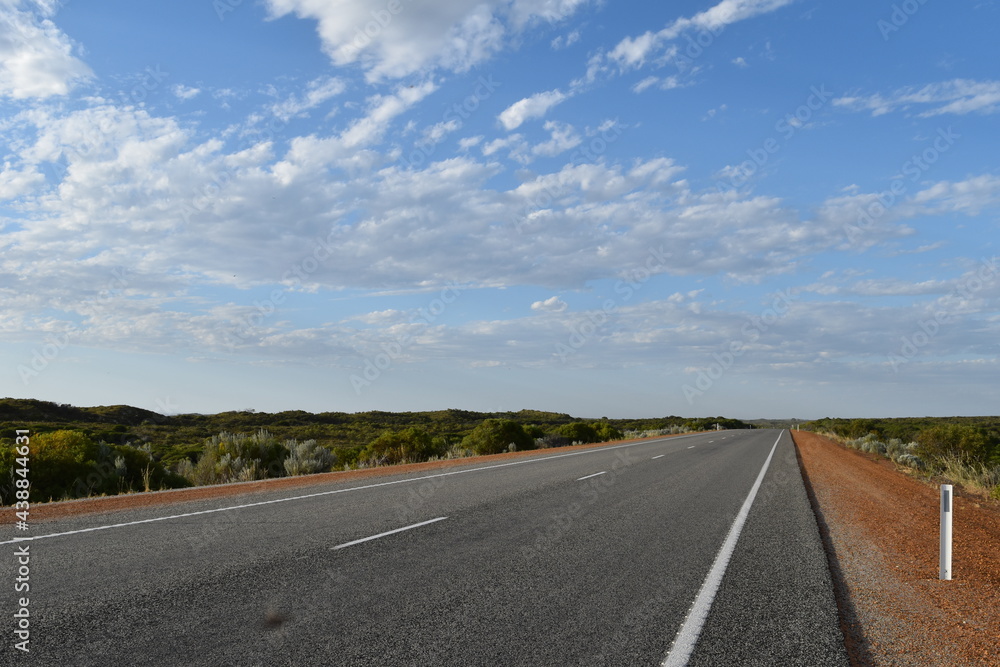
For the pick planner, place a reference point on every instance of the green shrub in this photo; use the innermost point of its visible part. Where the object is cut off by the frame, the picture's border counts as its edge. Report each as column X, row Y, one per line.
column 408, row 446
column 606, row 432
column 67, row 464
column 497, row 435
column 306, row 458
column 965, row 443
column 580, row 432
column 237, row 457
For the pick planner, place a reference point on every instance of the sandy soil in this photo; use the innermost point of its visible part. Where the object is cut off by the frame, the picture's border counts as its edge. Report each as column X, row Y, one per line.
column 881, row 531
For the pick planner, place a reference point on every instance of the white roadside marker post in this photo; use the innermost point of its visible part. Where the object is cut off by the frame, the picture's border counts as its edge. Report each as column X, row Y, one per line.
column 946, row 505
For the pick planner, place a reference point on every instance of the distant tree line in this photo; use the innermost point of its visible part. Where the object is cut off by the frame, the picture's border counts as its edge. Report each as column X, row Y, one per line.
column 970, row 439
column 80, row 452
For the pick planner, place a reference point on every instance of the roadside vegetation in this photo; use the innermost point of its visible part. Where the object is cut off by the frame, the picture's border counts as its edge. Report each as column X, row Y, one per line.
column 961, row 450
column 108, row 450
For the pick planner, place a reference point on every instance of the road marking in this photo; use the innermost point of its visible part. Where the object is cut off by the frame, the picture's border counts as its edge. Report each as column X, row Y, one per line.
column 659, row 457
column 336, row 491
column 687, row 636
column 388, row 532
column 594, row 475
column 692, row 447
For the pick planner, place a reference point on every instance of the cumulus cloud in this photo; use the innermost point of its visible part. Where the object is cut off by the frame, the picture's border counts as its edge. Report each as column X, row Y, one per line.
column 36, row 58
column 399, row 39
column 562, row 138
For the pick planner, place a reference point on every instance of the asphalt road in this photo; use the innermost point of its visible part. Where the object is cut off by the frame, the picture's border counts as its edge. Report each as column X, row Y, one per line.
column 591, row 557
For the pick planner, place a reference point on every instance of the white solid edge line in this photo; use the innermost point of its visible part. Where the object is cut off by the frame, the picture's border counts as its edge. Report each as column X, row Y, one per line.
column 687, row 636
column 336, row 491
column 658, row 457
column 580, row 479
column 388, row 532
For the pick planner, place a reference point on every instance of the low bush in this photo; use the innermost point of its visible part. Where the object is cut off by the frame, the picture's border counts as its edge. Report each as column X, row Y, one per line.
column 411, row 445
column 237, row 457
column 67, row 464
column 953, row 441
column 581, row 432
column 493, row 436
column 307, row 458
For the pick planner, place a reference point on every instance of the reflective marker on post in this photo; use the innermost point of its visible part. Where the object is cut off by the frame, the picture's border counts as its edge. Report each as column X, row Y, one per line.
column 946, row 503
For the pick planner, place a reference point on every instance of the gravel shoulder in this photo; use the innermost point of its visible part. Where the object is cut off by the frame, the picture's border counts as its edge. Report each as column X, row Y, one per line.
column 880, row 529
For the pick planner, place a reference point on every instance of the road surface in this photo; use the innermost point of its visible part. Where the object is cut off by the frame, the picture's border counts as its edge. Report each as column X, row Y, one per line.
column 586, row 557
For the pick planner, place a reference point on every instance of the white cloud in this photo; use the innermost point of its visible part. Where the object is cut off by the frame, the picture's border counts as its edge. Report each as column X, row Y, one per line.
column 632, row 52
column 551, row 305
column 970, row 196
column 435, row 133
column 563, row 138
column 393, row 40
column 466, row 143
column 185, row 92
column 317, row 92
column 566, row 41
column 645, row 84
column 741, row 62
column 635, row 52
column 36, row 58
column 535, row 106
column 959, row 96
column 15, row 183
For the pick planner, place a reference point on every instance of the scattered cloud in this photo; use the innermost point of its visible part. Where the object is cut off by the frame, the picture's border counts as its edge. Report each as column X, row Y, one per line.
column 566, row 41
column 959, row 96
column 317, row 92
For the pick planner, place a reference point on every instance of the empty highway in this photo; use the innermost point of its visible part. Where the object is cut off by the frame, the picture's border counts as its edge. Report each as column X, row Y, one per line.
column 616, row 555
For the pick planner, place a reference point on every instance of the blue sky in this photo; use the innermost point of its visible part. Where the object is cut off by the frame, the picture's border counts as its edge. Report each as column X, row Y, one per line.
column 757, row 208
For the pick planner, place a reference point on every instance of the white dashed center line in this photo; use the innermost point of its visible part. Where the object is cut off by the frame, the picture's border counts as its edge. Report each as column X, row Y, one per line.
column 389, row 532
